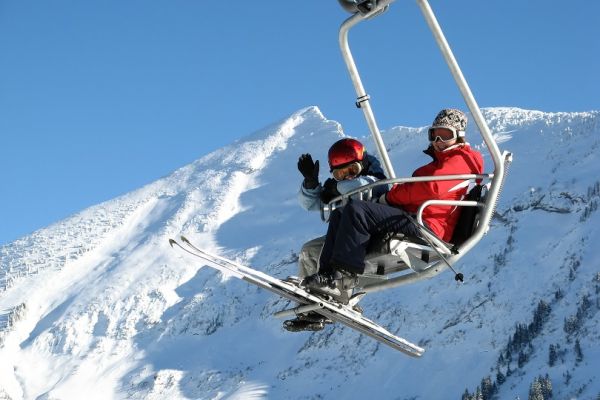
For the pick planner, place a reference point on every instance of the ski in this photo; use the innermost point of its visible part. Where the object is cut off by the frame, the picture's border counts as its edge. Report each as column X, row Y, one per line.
column 307, row 301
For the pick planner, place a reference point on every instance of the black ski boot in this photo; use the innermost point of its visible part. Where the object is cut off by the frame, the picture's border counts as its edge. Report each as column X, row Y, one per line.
column 338, row 285
column 298, row 325
column 306, row 322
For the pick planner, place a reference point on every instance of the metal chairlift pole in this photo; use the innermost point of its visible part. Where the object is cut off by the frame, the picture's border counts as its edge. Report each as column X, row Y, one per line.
column 362, row 97
column 499, row 169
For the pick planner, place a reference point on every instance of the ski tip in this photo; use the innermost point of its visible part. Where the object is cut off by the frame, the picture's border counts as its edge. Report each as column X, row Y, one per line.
column 172, row 242
column 184, row 239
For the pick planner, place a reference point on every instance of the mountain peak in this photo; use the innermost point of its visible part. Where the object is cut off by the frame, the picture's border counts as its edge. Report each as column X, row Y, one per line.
column 101, row 301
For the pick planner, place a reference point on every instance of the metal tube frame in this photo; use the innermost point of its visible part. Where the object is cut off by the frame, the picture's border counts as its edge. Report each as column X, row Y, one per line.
column 365, row 190
column 497, row 157
column 500, row 160
column 362, row 100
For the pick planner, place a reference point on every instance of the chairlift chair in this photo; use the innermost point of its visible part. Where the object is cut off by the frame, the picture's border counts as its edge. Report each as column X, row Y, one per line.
column 400, row 260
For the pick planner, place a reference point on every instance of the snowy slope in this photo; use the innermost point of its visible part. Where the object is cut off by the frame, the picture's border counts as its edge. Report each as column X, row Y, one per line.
column 99, row 304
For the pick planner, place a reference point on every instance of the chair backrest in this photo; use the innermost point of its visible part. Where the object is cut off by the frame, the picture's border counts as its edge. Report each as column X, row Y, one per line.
column 468, row 219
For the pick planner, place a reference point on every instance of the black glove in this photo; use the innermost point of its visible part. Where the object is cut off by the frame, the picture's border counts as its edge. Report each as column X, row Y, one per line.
column 329, row 190
column 309, row 170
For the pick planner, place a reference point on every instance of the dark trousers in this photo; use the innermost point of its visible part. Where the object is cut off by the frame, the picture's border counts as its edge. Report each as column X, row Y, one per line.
column 352, row 227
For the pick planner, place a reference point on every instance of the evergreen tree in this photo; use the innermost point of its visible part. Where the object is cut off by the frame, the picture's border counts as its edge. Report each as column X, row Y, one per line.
column 546, row 387
column 522, row 359
column 478, row 394
column 500, row 378
column 487, row 388
column 466, row 395
column 578, row 352
column 535, row 390
column 559, row 294
column 585, row 305
column 508, row 356
column 571, row 324
column 540, row 316
column 552, row 356
column 522, row 336
column 568, row 377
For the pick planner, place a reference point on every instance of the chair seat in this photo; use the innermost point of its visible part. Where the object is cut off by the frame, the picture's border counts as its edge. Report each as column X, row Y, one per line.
column 398, row 253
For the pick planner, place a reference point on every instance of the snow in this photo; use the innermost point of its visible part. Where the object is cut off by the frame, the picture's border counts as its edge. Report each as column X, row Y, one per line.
column 102, row 307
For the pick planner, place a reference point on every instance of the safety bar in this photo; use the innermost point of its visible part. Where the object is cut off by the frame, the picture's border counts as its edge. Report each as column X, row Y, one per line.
column 366, row 190
column 466, row 203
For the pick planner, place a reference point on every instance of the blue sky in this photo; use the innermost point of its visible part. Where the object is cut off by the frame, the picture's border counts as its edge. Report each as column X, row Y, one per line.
column 100, row 98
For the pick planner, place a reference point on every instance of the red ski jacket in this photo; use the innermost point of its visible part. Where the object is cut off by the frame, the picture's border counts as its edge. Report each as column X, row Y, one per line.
column 409, row 196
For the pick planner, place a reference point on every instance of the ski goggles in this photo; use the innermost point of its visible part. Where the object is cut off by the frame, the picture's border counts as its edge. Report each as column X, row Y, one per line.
column 349, row 171
column 444, row 133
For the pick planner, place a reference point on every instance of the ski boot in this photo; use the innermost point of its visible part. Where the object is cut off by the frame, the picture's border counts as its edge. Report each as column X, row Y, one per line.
column 306, row 322
column 337, row 285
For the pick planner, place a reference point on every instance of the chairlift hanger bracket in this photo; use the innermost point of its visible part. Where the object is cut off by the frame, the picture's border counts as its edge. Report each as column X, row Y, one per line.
column 368, row 8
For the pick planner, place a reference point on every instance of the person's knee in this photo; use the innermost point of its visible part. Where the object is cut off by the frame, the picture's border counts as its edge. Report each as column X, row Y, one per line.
column 305, row 248
column 335, row 216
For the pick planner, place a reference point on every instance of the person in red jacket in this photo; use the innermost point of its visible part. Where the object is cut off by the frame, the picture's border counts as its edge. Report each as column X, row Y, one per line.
column 351, row 227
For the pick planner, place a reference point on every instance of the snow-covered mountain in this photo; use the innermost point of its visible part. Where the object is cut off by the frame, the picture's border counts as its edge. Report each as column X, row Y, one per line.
column 99, row 306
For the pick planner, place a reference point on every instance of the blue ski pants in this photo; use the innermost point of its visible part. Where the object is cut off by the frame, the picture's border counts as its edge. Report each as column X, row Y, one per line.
column 352, row 227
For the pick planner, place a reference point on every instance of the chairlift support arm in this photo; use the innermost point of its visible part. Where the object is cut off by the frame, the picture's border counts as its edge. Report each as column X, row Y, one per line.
column 498, row 158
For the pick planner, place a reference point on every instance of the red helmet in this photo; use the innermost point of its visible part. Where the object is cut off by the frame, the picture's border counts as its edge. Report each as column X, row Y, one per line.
column 345, row 151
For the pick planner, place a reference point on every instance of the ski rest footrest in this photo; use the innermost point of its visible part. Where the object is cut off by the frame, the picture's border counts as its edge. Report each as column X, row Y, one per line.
column 382, row 264
column 396, row 252
column 370, row 279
